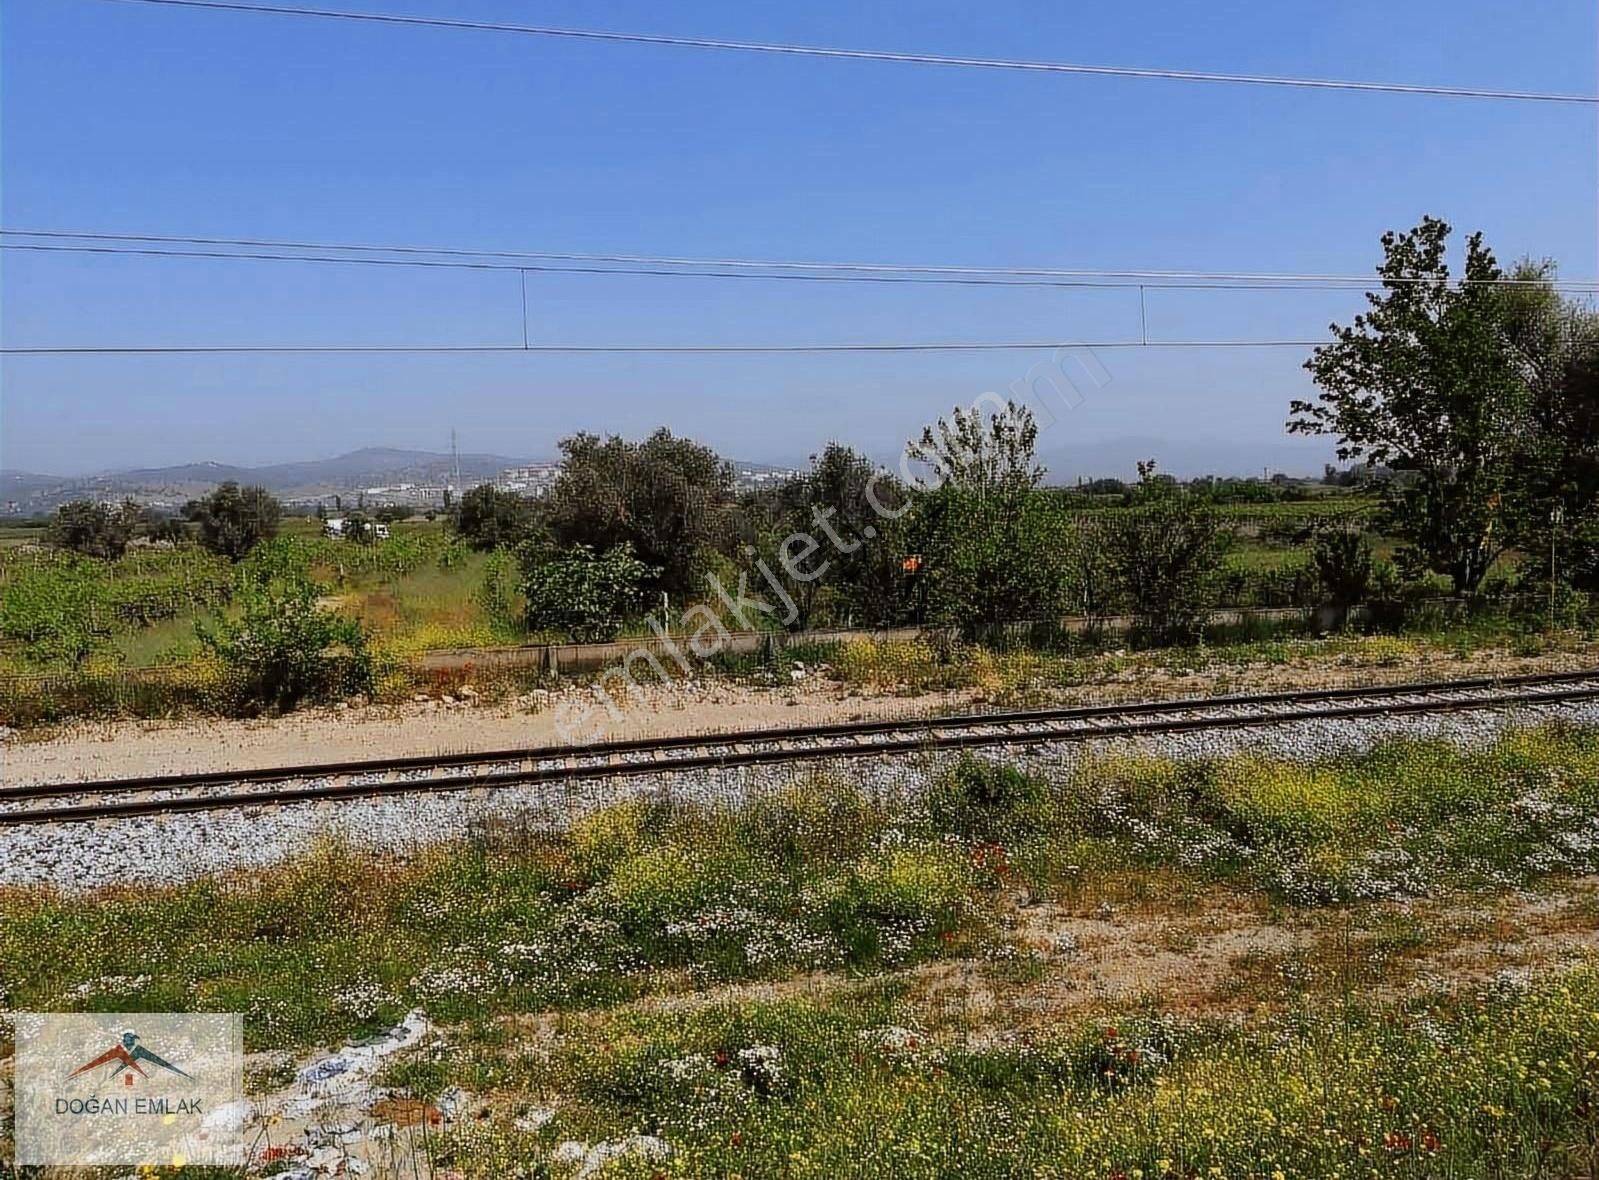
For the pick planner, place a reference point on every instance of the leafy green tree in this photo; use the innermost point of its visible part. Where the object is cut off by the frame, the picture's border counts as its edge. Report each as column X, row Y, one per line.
column 991, row 540
column 488, row 518
column 234, row 520
column 282, row 648
column 834, row 537
column 998, row 455
column 94, row 530
column 1425, row 381
column 669, row 498
column 991, row 560
column 1553, row 503
column 1167, row 551
column 587, row 595
column 1092, row 584
column 359, row 528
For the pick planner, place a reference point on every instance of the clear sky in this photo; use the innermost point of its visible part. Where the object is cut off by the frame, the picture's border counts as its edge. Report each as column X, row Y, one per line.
column 124, row 117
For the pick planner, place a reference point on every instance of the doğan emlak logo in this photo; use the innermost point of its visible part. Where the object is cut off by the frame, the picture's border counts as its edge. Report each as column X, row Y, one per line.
column 125, row 1059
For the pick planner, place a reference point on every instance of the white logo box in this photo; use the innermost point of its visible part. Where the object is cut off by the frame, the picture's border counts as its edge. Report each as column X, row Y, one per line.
column 97, row 1088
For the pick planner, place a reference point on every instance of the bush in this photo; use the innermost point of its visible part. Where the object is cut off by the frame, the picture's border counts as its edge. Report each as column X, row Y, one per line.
column 810, row 822
column 488, row 518
column 1343, row 560
column 234, row 520
column 987, row 801
column 283, row 648
column 1168, row 553
column 584, row 595
column 898, row 901
column 94, row 530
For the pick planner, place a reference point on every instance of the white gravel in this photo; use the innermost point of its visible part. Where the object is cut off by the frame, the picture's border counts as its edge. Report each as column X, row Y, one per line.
column 169, row 849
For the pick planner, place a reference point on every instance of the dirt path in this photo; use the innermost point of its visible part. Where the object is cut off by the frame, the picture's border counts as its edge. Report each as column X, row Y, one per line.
column 127, row 748
column 1219, row 954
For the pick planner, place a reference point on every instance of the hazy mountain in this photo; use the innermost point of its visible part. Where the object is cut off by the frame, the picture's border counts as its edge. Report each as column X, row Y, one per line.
column 1118, row 457
column 15, row 485
column 367, row 468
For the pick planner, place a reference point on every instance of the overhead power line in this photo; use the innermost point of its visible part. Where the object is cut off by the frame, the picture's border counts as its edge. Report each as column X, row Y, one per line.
column 712, row 349
column 634, row 271
column 448, row 257
column 874, row 55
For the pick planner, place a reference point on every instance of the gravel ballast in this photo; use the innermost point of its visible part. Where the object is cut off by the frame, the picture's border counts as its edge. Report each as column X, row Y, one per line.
column 157, row 850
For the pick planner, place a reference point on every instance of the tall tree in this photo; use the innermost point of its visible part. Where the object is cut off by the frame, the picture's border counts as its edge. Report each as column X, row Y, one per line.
column 1425, row 382
column 667, row 497
column 488, row 518
column 234, row 520
column 833, row 535
column 992, row 541
column 1553, row 504
column 1167, row 552
column 965, row 451
column 94, row 530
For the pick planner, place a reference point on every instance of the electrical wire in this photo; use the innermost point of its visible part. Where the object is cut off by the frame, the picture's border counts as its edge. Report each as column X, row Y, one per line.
column 904, row 58
column 267, row 249
column 713, row 349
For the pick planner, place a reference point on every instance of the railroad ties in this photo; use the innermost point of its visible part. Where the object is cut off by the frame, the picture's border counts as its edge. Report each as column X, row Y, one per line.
column 482, row 773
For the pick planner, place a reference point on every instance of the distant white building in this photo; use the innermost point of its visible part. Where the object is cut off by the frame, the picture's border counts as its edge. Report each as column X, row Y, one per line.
column 333, row 527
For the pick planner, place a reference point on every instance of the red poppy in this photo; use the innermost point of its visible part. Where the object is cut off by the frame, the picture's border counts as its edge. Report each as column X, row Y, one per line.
column 1396, row 1141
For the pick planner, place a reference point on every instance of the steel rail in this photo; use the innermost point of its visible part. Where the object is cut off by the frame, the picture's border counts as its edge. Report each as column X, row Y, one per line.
column 840, row 729
column 698, row 752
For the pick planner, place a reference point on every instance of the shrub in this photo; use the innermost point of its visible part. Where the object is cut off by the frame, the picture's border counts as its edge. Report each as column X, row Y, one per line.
column 915, row 892
column 488, row 518
column 94, row 530
column 234, row 520
column 496, row 594
column 283, row 648
column 1168, row 553
column 588, row 596
column 813, row 821
column 988, row 801
column 602, row 839
column 1343, row 560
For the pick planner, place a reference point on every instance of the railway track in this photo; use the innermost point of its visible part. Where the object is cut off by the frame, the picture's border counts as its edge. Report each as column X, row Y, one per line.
column 46, row 803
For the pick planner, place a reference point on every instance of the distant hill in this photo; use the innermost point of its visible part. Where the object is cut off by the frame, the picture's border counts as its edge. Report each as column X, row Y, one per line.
column 170, row 486
column 369, row 467
column 16, row 485
column 1183, row 458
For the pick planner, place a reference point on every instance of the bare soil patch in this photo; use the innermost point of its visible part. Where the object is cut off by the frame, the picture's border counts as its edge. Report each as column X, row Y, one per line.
column 114, row 749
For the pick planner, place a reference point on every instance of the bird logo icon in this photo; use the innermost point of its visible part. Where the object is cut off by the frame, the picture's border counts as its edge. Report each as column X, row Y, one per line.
column 128, row 1058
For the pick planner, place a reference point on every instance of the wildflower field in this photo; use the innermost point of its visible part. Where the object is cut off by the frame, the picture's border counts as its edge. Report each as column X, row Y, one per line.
column 1377, row 965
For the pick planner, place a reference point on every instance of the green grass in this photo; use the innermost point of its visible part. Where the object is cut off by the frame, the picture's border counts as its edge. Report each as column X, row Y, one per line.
column 633, row 895
column 816, row 876
column 862, row 1070
column 1483, row 1086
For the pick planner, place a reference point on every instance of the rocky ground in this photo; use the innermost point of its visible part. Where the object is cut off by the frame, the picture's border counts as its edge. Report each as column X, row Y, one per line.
column 165, row 849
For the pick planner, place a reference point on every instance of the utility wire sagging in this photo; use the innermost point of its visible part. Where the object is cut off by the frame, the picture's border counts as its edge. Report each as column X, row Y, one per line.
column 874, row 55
column 677, row 266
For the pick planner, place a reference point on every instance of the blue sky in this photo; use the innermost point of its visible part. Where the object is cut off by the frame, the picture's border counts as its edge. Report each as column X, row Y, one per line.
column 138, row 119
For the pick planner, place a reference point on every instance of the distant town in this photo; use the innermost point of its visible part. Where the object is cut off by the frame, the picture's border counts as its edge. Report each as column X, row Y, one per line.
column 372, row 478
